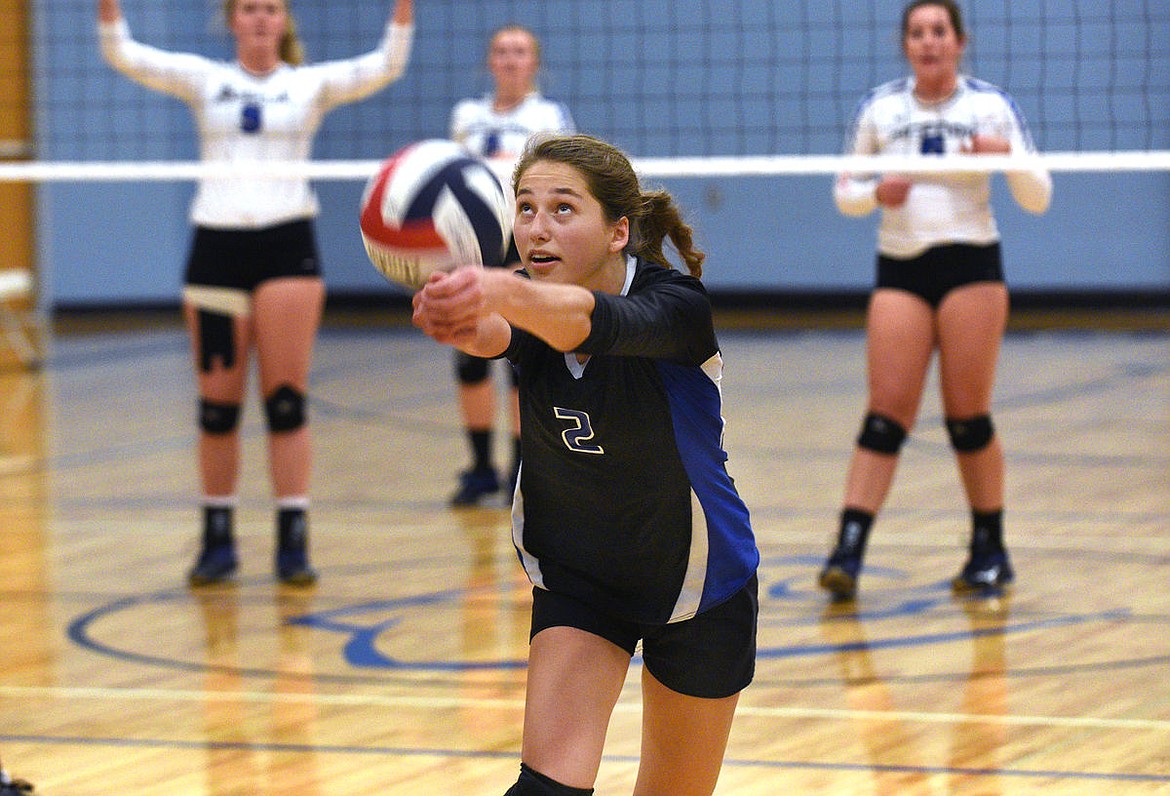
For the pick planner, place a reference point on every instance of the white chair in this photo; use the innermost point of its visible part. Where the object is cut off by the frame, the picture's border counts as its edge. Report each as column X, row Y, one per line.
column 18, row 324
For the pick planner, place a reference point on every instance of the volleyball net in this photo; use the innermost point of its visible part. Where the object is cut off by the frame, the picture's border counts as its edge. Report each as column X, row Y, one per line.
column 715, row 91
column 659, row 78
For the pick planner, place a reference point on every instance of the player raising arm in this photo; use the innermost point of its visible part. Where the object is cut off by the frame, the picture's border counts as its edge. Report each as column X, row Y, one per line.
column 253, row 276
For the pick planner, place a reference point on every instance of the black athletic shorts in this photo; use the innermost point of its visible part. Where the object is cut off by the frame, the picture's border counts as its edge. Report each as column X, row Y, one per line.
column 941, row 269
column 712, row 655
column 243, row 258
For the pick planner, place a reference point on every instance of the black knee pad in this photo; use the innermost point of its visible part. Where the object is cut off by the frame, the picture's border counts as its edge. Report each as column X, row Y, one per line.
column 218, row 418
column 285, row 409
column 971, row 434
column 469, row 369
column 217, row 338
column 533, row 783
column 881, row 434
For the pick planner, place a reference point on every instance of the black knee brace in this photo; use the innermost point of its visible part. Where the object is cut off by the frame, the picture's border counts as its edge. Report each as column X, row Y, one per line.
column 971, row 434
column 881, row 434
column 218, row 418
column 285, row 409
column 469, row 369
column 533, row 783
column 216, row 339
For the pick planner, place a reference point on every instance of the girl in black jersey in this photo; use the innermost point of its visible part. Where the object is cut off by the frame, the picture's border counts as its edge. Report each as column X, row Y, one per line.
column 625, row 518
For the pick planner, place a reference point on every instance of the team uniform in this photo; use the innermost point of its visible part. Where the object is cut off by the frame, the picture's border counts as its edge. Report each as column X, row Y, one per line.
column 489, row 133
column 251, row 229
column 262, row 223
column 625, row 519
column 945, row 234
column 942, row 237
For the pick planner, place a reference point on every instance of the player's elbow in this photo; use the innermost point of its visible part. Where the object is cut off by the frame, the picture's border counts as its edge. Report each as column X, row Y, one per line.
column 855, row 207
column 1032, row 192
column 567, row 338
column 1039, row 208
column 1036, row 203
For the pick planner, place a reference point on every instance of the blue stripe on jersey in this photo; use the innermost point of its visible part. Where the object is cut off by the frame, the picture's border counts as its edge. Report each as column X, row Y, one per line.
column 696, row 413
column 899, row 86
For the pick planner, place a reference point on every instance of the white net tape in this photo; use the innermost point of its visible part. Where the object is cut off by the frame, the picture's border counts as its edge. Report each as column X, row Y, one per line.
column 731, row 166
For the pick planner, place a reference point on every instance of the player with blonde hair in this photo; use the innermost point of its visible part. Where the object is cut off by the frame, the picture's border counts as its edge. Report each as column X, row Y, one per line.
column 253, row 277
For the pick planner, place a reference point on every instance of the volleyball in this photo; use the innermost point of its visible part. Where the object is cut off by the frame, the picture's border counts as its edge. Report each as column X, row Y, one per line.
column 432, row 206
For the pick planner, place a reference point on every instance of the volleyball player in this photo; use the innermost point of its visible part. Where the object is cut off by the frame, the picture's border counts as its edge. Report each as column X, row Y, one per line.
column 940, row 286
column 496, row 126
column 253, row 277
column 625, row 518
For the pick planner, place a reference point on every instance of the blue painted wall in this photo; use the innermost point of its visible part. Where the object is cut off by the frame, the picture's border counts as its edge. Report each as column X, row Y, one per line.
column 657, row 77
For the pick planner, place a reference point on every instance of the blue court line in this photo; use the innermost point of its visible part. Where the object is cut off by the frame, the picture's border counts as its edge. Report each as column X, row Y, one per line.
column 938, row 638
column 467, row 754
column 78, row 633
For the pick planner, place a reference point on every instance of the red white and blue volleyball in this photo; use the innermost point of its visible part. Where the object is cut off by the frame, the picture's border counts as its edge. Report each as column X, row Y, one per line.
column 432, row 206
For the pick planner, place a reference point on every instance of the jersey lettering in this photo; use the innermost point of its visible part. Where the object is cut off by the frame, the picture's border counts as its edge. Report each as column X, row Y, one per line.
column 580, row 431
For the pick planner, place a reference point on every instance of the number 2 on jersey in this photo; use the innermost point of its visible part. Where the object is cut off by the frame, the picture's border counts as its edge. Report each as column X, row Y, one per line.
column 579, row 433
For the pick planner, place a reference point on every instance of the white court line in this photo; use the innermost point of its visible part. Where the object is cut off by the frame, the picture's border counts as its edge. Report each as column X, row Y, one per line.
column 439, row 703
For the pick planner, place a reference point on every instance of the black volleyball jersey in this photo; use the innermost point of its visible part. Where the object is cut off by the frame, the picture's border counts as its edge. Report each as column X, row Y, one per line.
column 624, row 499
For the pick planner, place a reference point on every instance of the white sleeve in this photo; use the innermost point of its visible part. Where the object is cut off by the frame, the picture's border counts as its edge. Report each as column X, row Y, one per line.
column 458, row 123
column 565, row 122
column 357, row 78
column 178, row 74
column 856, row 194
column 1031, row 188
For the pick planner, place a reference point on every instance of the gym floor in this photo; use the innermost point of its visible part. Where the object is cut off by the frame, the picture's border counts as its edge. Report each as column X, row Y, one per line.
column 402, row 670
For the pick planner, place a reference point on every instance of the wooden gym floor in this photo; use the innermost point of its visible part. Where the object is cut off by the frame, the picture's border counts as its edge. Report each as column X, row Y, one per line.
column 402, row 671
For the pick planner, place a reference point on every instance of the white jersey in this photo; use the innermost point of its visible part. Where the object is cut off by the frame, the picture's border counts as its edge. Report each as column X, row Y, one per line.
column 502, row 134
column 245, row 118
column 944, row 207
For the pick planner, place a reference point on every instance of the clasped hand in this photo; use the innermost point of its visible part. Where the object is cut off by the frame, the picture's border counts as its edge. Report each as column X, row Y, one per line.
column 450, row 304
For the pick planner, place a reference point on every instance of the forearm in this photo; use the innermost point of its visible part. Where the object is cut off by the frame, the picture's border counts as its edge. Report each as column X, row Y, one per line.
column 1031, row 189
column 360, row 77
column 491, row 338
column 561, row 315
